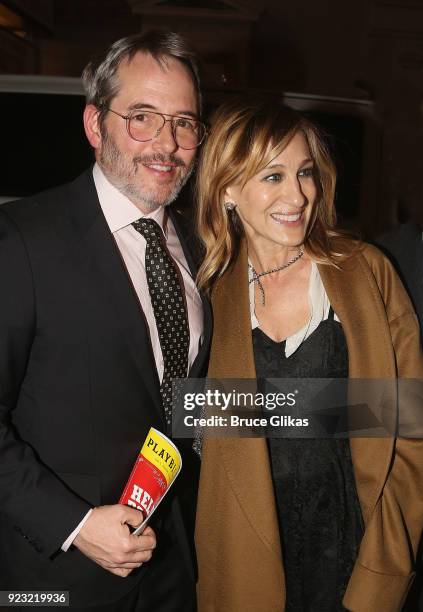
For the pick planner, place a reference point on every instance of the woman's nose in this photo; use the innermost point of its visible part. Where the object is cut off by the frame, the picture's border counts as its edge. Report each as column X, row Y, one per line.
column 293, row 192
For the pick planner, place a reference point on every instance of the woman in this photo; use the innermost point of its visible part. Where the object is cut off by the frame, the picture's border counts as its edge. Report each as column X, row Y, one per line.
column 299, row 525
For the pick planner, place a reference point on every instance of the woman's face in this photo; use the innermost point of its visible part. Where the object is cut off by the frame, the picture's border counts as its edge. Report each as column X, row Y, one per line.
column 275, row 205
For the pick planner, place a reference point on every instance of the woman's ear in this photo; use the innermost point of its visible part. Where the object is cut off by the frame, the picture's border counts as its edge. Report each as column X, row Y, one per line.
column 92, row 126
column 228, row 193
column 229, row 202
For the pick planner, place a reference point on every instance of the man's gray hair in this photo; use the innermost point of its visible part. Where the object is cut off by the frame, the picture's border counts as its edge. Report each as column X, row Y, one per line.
column 99, row 77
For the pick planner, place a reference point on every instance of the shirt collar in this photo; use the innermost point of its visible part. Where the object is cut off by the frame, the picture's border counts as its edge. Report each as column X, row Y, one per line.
column 118, row 209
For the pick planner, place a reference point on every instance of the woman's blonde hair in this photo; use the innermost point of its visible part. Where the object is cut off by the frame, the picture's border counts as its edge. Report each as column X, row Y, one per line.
column 245, row 137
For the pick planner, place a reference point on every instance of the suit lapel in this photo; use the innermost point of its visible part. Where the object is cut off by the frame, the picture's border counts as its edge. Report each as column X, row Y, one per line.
column 186, row 236
column 101, row 260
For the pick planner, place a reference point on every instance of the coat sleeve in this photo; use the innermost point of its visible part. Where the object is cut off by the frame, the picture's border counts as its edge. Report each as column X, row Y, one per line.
column 384, row 570
column 33, row 501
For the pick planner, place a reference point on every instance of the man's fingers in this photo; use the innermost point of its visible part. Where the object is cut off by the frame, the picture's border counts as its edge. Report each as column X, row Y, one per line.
column 129, row 565
column 132, row 517
column 119, row 571
column 139, row 556
column 144, row 542
column 148, row 532
column 105, row 538
column 129, row 553
column 135, row 548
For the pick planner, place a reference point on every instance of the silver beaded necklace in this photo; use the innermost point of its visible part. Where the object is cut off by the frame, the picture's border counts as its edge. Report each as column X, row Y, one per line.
column 257, row 275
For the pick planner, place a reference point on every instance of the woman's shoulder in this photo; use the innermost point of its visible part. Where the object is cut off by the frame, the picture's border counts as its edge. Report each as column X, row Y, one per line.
column 369, row 265
column 364, row 260
column 351, row 250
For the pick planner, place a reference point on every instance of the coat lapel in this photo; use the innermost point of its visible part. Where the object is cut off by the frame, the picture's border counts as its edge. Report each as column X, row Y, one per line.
column 246, row 461
column 355, row 297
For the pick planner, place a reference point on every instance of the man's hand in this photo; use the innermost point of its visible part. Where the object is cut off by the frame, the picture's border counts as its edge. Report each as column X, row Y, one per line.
column 106, row 539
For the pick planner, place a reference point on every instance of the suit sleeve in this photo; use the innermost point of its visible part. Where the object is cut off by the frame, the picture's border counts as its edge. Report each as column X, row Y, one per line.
column 385, row 569
column 33, row 501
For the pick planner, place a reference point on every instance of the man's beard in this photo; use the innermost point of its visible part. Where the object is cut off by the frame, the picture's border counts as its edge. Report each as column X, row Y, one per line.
column 122, row 171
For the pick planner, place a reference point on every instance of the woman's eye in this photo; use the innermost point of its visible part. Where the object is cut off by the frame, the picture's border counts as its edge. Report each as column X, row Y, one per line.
column 307, row 172
column 273, row 178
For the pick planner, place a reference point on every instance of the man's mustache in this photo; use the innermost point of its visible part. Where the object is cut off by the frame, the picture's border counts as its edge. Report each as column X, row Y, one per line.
column 160, row 158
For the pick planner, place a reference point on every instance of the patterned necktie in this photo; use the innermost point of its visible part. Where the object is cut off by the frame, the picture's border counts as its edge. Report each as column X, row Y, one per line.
column 169, row 309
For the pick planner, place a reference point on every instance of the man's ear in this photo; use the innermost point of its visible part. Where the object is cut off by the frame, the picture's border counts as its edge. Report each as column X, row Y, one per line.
column 91, row 125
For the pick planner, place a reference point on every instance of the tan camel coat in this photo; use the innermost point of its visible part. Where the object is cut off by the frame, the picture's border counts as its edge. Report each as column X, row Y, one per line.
column 237, row 536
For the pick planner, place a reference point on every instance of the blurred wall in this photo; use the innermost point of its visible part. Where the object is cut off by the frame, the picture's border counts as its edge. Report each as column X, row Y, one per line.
column 366, row 49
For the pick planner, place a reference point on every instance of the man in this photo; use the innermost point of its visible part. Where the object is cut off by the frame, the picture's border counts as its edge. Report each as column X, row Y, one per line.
column 404, row 246
column 86, row 359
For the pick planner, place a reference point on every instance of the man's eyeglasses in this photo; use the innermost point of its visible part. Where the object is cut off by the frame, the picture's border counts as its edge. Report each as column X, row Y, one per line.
column 144, row 125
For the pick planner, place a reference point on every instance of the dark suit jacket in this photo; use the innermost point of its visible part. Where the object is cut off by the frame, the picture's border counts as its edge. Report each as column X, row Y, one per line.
column 78, row 391
column 404, row 246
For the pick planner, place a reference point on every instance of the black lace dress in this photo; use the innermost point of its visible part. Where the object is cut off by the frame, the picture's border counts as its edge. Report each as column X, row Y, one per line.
column 319, row 513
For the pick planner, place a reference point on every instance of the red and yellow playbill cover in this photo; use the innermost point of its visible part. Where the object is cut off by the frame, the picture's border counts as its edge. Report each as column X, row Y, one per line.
column 155, row 469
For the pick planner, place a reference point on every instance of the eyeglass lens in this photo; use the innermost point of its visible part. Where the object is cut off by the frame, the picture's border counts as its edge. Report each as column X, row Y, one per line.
column 146, row 125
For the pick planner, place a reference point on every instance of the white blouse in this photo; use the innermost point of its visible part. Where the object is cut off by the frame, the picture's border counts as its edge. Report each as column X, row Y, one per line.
column 319, row 310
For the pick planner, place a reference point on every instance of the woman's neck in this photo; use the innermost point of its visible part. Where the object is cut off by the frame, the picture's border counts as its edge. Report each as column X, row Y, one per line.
column 263, row 259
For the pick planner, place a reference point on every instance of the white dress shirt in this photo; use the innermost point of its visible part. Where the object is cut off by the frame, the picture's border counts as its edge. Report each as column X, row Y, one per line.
column 120, row 213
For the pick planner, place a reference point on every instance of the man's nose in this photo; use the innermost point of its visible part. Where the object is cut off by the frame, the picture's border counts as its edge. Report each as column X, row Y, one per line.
column 164, row 140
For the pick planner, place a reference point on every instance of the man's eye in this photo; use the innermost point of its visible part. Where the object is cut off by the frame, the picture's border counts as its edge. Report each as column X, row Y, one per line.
column 141, row 118
column 185, row 124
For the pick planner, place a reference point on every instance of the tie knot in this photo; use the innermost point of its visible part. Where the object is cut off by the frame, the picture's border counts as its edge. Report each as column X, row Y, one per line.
column 148, row 228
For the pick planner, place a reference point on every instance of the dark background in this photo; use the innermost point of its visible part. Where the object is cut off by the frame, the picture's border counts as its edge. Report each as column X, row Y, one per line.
column 356, row 67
